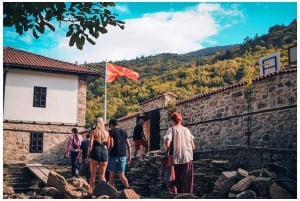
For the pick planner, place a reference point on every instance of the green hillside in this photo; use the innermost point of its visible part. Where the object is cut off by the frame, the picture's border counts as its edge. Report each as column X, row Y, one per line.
column 186, row 74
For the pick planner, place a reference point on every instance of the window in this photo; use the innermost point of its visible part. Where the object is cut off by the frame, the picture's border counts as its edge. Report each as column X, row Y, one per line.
column 39, row 97
column 36, row 142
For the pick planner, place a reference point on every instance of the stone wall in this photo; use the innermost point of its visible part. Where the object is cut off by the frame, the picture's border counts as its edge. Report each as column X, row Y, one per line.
column 81, row 101
column 16, row 142
column 221, row 118
column 224, row 117
column 281, row 161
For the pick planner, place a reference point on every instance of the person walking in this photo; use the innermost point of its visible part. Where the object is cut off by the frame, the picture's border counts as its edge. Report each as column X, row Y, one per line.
column 139, row 137
column 98, row 151
column 85, row 166
column 73, row 147
column 183, row 146
column 117, row 155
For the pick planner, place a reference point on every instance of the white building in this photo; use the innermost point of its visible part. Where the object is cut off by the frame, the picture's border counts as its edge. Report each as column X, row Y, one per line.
column 43, row 99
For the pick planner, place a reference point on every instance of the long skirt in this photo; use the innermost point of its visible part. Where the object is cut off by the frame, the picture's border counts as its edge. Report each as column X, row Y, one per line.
column 184, row 177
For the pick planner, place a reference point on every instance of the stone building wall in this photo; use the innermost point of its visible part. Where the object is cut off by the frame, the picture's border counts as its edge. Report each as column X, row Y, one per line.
column 81, row 102
column 16, row 136
column 16, row 142
column 221, row 118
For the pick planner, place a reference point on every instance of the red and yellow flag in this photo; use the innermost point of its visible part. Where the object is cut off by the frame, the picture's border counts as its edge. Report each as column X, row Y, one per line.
column 113, row 71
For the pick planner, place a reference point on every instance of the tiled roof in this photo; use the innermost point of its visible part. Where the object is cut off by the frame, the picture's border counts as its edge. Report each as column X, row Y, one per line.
column 288, row 70
column 22, row 59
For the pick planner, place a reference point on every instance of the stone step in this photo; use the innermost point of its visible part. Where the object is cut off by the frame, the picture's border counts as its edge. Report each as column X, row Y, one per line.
column 18, row 179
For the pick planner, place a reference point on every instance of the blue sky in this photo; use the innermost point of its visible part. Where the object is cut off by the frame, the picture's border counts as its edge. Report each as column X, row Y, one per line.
column 170, row 27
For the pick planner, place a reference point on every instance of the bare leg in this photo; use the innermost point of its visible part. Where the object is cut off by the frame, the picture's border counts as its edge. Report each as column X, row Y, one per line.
column 135, row 152
column 123, row 179
column 112, row 178
column 102, row 170
column 93, row 167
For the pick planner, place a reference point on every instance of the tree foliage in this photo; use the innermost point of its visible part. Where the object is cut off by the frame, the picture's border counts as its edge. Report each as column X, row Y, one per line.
column 86, row 20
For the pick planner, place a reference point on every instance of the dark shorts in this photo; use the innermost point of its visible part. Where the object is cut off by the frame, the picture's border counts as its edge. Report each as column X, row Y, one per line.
column 138, row 143
column 99, row 153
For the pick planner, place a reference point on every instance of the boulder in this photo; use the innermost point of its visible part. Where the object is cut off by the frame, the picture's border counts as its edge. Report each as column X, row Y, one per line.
column 186, row 196
column 129, row 194
column 242, row 185
column 57, row 181
column 225, row 181
column 277, row 192
column 78, row 182
column 103, row 188
column 50, row 191
column 8, row 190
column 261, row 185
column 241, row 173
column 72, row 192
column 246, row 195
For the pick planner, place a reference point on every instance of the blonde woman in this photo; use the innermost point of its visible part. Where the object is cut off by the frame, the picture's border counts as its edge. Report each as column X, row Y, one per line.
column 98, row 151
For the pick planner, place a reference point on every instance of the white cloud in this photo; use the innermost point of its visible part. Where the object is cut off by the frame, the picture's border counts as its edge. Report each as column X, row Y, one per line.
column 122, row 9
column 161, row 32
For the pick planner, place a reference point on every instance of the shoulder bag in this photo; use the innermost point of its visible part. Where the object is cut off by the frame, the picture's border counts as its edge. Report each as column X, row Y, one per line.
column 168, row 163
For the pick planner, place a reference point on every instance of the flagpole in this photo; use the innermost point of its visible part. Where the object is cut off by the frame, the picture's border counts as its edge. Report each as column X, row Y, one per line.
column 105, row 91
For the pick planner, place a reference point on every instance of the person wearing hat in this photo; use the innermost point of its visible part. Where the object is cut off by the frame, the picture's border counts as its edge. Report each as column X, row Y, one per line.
column 73, row 147
column 183, row 146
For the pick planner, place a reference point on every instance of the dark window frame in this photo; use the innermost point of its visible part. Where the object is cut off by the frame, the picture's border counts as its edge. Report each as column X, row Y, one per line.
column 39, row 96
column 36, row 142
column 266, row 67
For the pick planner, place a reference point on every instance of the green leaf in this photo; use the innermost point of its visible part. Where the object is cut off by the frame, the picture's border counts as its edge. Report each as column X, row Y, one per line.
column 102, row 30
column 19, row 29
column 7, row 22
column 91, row 41
column 73, row 39
column 40, row 28
column 96, row 34
column 79, row 45
column 82, row 41
column 35, row 34
column 50, row 26
column 69, row 33
column 49, row 15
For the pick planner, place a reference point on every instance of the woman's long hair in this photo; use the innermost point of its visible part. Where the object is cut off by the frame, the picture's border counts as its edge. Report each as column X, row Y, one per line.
column 100, row 130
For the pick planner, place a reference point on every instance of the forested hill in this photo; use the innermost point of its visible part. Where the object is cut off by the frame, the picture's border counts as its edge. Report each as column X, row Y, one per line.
column 186, row 74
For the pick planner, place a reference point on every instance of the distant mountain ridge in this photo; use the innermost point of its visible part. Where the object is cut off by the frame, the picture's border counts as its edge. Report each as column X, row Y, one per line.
column 210, row 50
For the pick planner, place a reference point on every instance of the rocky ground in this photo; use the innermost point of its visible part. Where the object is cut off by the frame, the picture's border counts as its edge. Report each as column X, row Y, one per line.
column 239, row 184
